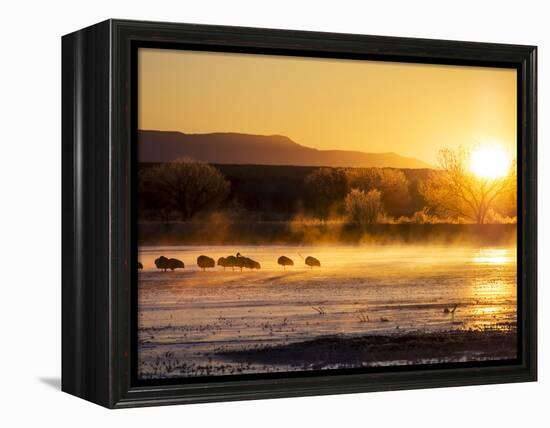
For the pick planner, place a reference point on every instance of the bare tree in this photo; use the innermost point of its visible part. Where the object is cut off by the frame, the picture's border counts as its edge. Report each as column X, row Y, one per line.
column 187, row 186
column 455, row 190
column 363, row 208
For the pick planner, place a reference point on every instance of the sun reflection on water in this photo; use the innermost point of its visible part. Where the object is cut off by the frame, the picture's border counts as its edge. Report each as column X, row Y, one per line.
column 487, row 310
column 494, row 256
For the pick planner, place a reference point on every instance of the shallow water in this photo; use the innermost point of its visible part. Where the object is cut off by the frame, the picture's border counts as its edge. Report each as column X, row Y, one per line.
column 187, row 316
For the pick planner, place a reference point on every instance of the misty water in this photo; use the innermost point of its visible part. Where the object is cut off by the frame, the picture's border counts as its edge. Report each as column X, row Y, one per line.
column 191, row 316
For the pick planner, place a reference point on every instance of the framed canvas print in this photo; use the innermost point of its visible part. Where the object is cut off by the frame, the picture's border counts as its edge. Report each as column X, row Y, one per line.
column 252, row 213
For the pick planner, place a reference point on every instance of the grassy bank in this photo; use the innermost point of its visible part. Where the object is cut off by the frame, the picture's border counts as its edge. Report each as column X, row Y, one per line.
column 256, row 233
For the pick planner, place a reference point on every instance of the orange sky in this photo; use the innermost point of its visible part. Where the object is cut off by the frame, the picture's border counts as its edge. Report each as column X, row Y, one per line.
column 410, row 109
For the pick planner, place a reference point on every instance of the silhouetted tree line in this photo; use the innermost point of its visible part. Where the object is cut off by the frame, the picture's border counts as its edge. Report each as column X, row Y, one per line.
column 186, row 189
column 182, row 190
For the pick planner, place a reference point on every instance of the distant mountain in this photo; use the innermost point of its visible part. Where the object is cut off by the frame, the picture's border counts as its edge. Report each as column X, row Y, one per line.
column 234, row 148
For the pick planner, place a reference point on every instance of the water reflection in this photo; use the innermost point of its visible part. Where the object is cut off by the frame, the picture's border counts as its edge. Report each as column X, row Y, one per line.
column 356, row 291
column 487, row 310
column 494, row 256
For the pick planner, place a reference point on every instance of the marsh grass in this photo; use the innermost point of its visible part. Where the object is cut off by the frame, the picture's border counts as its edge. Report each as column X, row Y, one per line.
column 319, row 309
column 362, row 316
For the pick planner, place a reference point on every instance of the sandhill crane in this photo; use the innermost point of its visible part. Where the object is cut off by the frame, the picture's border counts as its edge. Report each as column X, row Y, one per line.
column 205, row 262
column 252, row 264
column 245, row 262
column 175, row 264
column 165, row 263
column 231, row 261
column 161, row 263
column 284, row 261
column 239, row 261
column 312, row 261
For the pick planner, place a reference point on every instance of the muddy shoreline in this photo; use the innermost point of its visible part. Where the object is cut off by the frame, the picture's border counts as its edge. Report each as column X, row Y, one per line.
column 383, row 350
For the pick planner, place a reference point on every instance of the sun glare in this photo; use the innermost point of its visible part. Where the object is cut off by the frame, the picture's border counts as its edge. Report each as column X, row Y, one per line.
column 489, row 161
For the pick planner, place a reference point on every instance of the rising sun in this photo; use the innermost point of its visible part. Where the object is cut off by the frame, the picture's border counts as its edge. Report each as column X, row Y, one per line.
column 489, row 161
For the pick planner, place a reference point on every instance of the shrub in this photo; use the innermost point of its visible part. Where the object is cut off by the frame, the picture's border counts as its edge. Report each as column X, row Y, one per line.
column 363, row 208
column 392, row 183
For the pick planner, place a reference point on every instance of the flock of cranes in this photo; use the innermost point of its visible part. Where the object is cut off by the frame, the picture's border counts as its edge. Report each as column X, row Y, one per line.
column 237, row 261
column 240, row 262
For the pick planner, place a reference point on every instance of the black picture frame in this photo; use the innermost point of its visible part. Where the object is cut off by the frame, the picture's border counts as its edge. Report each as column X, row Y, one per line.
column 98, row 227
